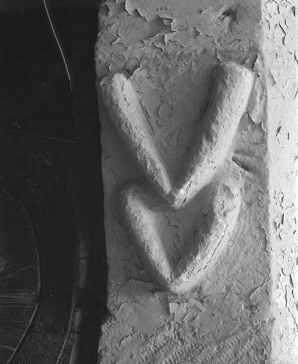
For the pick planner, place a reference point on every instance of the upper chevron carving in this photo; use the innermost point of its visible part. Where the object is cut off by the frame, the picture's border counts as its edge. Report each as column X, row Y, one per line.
column 229, row 99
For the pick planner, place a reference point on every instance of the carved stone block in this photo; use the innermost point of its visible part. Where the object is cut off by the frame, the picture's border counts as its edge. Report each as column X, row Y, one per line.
column 192, row 103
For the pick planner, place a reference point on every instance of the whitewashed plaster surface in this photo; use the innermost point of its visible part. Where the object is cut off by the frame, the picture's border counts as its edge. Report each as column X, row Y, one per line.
column 170, row 51
column 281, row 56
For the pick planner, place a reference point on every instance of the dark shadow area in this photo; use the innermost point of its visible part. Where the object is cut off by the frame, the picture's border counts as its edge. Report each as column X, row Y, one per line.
column 35, row 94
column 50, row 161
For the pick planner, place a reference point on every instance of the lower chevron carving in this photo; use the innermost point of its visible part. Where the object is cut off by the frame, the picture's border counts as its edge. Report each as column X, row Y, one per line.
column 145, row 218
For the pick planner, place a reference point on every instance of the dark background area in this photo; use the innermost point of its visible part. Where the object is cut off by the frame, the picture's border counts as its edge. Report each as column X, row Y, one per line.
column 50, row 161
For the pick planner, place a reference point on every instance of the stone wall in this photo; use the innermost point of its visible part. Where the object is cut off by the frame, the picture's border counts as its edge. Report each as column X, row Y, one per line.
column 197, row 109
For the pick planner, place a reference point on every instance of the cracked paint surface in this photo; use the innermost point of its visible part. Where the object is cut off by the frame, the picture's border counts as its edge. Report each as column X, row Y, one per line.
column 280, row 49
column 170, row 51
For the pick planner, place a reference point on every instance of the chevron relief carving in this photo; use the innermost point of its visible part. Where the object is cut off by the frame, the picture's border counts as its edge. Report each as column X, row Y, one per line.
column 179, row 270
column 146, row 218
column 228, row 102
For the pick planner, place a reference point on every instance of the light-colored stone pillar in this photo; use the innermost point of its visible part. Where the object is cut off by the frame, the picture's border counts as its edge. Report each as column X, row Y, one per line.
column 280, row 49
column 198, row 107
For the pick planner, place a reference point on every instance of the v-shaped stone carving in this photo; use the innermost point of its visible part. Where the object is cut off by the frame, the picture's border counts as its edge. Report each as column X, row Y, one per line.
column 145, row 215
column 228, row 101
column 179, row 271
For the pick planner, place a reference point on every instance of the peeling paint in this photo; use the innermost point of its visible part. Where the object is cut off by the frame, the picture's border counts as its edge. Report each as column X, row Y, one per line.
column 244, row 310
column 280, row 57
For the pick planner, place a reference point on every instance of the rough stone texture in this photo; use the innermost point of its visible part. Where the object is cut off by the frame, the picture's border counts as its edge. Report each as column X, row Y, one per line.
column 242, row 309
